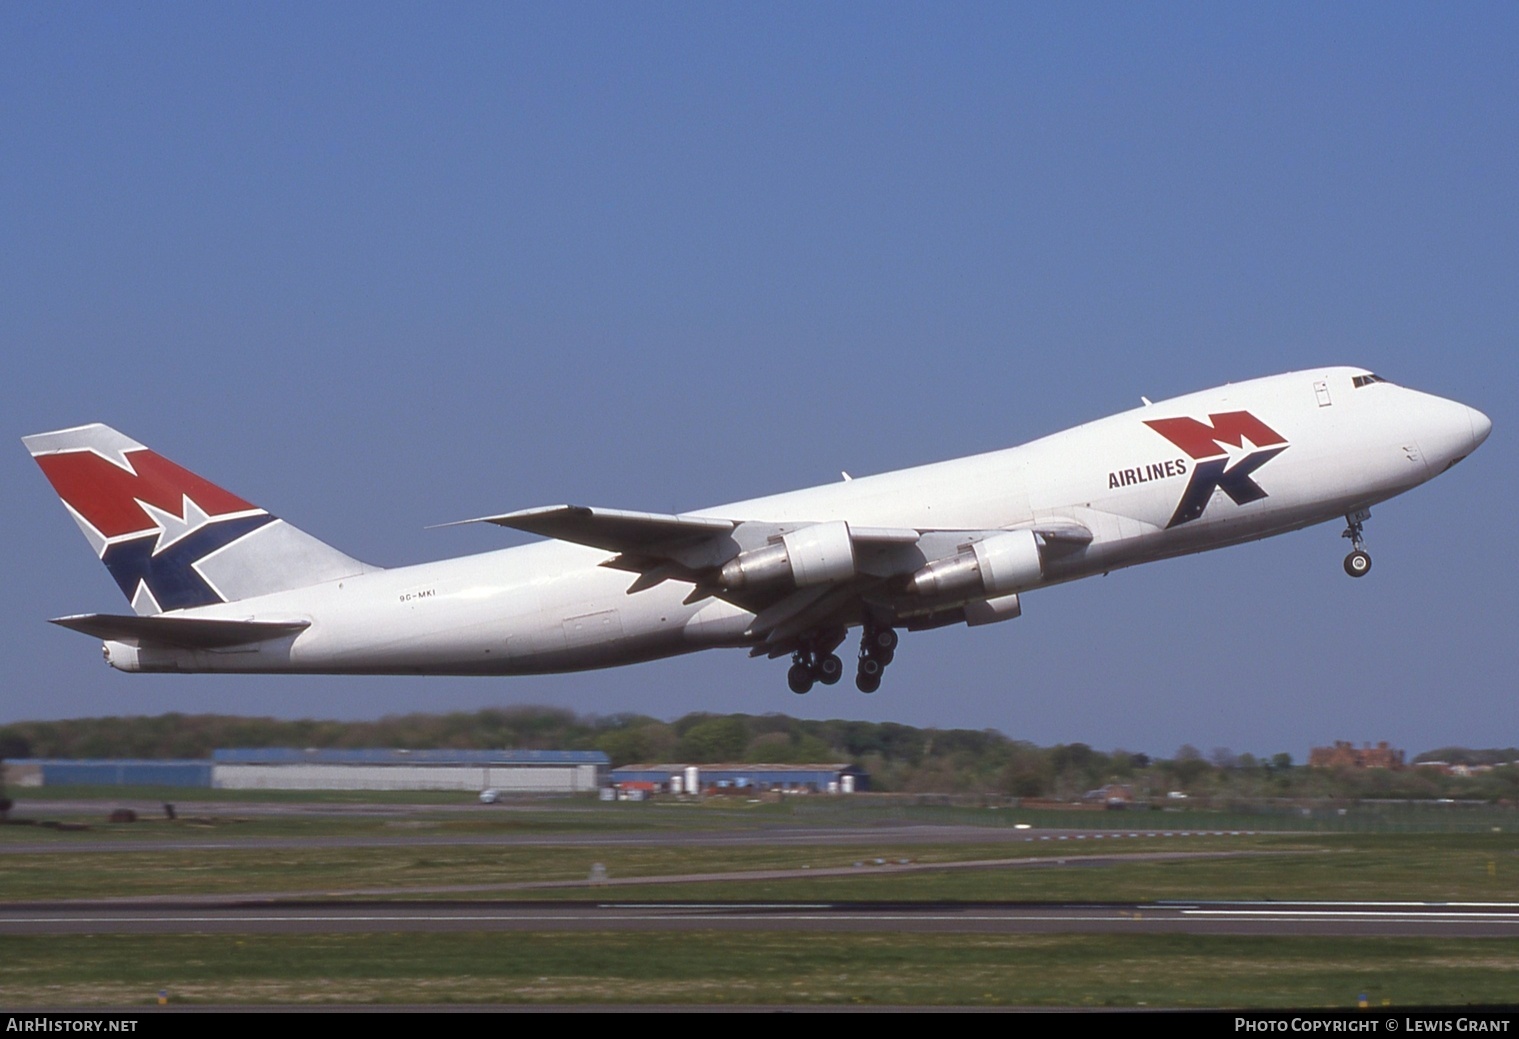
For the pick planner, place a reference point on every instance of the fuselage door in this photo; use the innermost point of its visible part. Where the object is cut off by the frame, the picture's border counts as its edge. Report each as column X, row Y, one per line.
column 604, row 627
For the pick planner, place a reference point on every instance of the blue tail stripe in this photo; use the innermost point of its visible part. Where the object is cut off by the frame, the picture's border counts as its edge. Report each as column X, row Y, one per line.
column 171, row 576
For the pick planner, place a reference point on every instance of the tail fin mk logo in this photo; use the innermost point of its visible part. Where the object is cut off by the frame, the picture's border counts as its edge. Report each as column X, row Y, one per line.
column 1205, row 443
column 151, row 521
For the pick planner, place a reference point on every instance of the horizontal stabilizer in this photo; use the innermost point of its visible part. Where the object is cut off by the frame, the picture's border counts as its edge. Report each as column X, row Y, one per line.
column 182, row 632
column 612, row 529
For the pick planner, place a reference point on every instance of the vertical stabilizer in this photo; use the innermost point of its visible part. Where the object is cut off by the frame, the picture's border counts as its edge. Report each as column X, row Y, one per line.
column 171, row 539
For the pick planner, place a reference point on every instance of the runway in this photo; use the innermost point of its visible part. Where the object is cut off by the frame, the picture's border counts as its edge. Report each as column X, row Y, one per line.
column 461, row 908
column 875, row 833
column 1337, row 919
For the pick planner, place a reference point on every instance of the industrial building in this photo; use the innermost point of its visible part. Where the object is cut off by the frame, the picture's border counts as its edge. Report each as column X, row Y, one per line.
column 283, row 768
column 35, row 772
column 1344, row 754
column 510, row 771
column 832, row 778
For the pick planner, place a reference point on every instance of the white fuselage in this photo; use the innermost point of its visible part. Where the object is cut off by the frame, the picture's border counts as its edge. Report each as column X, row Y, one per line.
column 553, row 606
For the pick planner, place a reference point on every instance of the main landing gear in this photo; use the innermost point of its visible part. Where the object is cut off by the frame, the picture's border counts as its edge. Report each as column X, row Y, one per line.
column 878, row 646
column 1358, row 563
column 809, row 666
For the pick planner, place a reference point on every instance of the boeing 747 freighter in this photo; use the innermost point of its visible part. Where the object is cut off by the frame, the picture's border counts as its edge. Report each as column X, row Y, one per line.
column 218, row 584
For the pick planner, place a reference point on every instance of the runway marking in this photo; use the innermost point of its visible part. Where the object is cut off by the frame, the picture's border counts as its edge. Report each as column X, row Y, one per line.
column 1347, row 914
column 1180, row 917
column 430, row 918
column 1172, row 904
column 806, row 912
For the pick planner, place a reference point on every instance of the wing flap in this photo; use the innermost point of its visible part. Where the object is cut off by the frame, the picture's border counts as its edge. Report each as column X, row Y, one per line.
column 180, row 632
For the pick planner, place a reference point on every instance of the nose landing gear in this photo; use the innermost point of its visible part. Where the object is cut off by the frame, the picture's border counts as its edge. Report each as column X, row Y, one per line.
column 1358, row 563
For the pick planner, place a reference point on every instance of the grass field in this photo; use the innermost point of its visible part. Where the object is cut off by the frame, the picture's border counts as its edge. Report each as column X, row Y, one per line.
column 164, row 858
column 710, row 968
column 1411, row 867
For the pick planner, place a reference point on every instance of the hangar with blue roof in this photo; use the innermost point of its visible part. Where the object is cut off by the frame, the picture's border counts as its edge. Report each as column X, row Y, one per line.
column 286, row 768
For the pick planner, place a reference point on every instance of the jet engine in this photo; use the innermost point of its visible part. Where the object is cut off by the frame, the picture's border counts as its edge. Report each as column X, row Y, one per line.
column 989, row 568
column 817, row 554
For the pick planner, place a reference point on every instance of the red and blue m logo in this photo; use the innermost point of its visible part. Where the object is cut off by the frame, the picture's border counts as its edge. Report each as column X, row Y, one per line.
column 1205, row 443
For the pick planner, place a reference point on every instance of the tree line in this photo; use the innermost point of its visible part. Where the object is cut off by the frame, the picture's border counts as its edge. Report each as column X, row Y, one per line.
column 897, row 757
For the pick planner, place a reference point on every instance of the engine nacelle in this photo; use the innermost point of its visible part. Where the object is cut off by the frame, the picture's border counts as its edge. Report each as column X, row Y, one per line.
column 990, row 611
column 995, row 566
column 813, row 555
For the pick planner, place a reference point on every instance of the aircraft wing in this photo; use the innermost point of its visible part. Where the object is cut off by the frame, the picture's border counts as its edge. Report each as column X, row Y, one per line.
column 618, row 530
column 798, row 578
column 664, row 536
column 180, row 632
column 615, row 530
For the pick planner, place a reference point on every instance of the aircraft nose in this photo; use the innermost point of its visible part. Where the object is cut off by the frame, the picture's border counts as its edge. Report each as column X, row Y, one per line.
column 1449, row 431
column 1481, row 426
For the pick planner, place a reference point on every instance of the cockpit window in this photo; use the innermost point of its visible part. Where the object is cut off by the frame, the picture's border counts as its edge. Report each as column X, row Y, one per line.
column 1366, row 380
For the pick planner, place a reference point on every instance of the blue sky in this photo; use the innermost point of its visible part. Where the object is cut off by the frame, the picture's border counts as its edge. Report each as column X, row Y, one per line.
column 380, row 266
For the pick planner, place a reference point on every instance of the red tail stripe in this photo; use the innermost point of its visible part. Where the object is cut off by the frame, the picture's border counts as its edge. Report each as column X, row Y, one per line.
column 106, row 495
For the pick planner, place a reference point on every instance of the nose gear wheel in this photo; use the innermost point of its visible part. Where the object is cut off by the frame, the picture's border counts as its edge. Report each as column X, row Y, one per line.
column 1358, row 563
